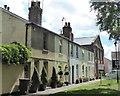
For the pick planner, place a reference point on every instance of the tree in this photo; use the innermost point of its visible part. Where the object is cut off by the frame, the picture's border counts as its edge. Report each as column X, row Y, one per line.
column 44, row 80
column 107, row 17
column 54, row 78
column 35, row 81
column 44, row 76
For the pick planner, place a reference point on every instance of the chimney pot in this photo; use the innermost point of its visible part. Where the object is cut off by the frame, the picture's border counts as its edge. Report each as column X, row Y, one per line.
column 38, row 3
column 68, row 24
column 32, row 3
column 5, row 6
column 8, row 8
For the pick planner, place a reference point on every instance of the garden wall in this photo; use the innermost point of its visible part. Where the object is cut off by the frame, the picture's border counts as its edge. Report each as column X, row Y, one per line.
column 10, row 77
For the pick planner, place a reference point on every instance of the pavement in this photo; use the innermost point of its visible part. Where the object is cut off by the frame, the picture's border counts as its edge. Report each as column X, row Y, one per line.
column 49, row 90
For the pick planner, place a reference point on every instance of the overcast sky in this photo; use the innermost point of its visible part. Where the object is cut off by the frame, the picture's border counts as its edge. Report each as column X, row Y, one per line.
column 77, row 13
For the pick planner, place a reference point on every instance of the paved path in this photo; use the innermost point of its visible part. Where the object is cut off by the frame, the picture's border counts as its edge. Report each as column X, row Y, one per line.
column 49, row 91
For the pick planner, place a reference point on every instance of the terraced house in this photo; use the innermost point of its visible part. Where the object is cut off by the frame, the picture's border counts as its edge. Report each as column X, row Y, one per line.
column 81, row 60
column 94, row 44
column 48, row 48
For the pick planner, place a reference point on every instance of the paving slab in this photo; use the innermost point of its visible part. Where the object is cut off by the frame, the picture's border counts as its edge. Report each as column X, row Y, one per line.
column 49, row 90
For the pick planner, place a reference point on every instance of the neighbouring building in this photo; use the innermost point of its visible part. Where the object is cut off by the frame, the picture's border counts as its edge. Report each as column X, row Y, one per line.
column 116, row 56
column 108, row 65
column 94, row 44
column 115, row 60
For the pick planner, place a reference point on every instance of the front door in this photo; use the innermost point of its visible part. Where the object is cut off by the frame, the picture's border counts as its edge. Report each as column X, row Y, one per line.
column 72, row 74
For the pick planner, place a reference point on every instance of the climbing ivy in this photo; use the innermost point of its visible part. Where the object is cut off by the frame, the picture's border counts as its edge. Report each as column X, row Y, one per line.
column 14, row 53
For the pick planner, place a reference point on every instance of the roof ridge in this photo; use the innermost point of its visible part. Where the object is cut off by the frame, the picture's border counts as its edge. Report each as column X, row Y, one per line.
column 86, row 37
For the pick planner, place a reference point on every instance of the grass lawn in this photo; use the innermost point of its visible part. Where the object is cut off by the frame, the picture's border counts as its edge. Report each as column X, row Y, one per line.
column 104, row 88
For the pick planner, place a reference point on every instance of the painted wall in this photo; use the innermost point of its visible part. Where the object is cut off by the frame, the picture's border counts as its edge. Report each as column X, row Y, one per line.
column 83, row 60
column 37, row 44
column 0, row 26
column 108, row 65
column 63, row 56
column 0, row 54
column 87, row 60
column 13, row 28
column 91, row 65
column 40, row 66
column 51, row 55
column 10, row 77
column 74, row 61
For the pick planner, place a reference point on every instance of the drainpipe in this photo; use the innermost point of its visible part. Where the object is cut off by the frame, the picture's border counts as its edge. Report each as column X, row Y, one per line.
column 26, row 35
column 69, row 61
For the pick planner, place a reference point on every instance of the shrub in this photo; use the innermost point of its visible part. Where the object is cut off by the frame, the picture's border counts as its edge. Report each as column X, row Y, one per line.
column 44, row 76
column 66, row 82
column 35, row 81
column 59, row 83
column 80, row 80
column 54, row 75
column 66, row 73
column 77, row 81
column 54, row 79
column 14, row 53
column 60, row 73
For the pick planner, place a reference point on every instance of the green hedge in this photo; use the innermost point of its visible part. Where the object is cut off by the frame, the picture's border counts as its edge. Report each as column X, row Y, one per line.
column 14, row 53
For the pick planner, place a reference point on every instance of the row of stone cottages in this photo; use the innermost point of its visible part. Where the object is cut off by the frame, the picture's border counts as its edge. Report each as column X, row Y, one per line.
column 48, row 49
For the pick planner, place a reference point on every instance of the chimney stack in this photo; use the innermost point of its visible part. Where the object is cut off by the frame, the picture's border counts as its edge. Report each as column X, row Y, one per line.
column 67, row 31
column 35, row 12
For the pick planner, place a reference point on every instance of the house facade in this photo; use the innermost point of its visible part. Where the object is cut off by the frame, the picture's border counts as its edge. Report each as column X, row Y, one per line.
column 48, row 48
column 81, row 60
column 94, row 44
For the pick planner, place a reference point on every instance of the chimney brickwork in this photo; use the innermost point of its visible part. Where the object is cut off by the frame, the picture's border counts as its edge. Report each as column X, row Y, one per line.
column 35, row 13
column 67, row 31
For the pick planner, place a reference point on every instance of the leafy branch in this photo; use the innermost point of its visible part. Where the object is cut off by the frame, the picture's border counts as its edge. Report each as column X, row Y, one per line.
column 14, row 53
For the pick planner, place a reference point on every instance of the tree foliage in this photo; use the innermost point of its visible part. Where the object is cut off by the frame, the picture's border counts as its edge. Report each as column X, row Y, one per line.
column 14, row 53
column 108, row 17
column 44, row 76
column 54, row 77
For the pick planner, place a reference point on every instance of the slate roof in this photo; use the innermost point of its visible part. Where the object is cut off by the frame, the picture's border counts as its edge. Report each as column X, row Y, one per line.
column 85, row 40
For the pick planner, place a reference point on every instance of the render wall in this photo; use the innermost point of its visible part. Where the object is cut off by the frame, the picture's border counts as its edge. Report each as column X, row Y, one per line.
column 13, row 28
column 10, row 77
column 0, row 52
